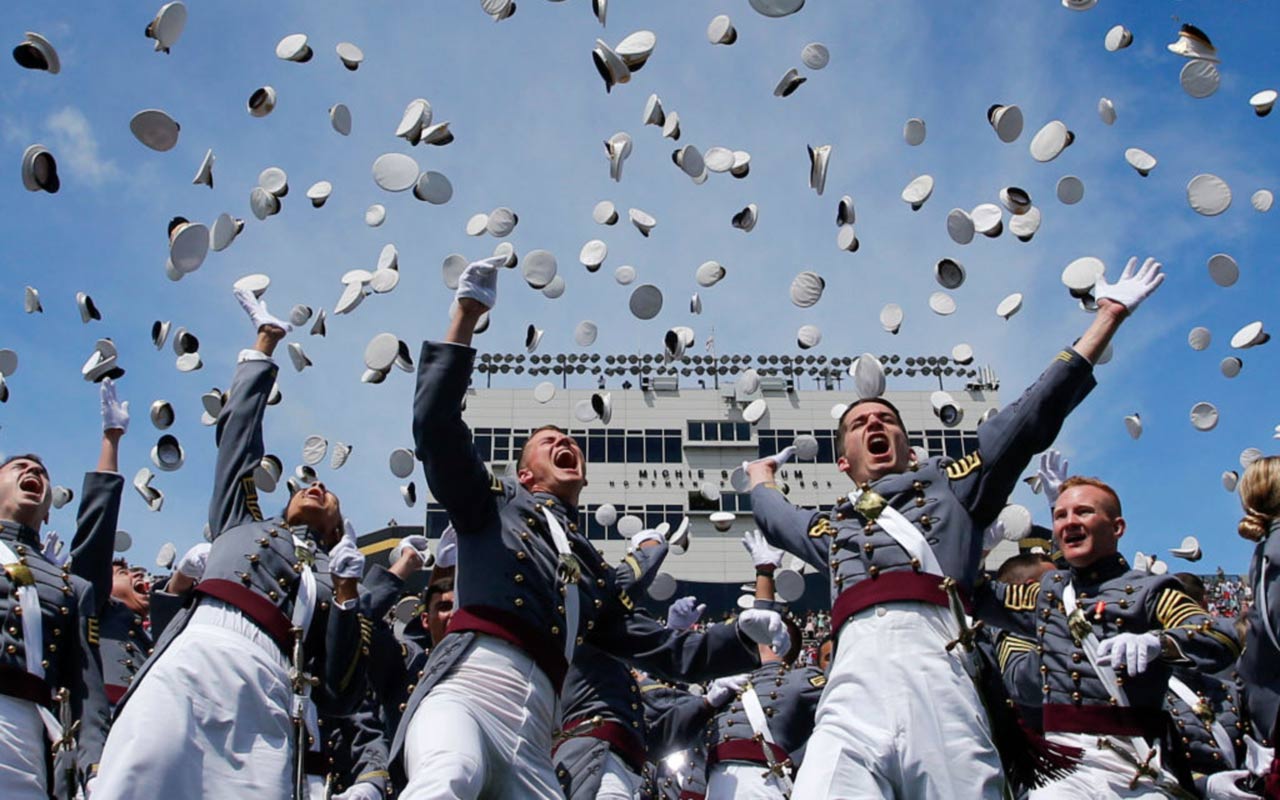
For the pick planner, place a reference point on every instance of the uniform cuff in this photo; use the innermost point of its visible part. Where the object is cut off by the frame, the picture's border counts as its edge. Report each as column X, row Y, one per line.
column 249, row 354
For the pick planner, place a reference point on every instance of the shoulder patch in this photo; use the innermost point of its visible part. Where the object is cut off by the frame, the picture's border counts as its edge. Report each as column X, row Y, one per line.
column 495, row 484
column 250, row 490
column 93, row 633
column 818, row 680
column 959, row 469
column 822, row 527
column 626, row 601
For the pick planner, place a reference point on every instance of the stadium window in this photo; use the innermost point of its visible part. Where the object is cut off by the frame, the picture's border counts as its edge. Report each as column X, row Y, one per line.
column 695, row 431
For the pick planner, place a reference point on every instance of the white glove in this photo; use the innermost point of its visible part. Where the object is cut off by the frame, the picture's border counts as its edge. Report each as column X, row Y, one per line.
column 193, row 561
column 762, row 554
column 722, row 690
column 992, row 535
column 1222, row 786
column 1133, row 651
column 1053, row 470
column 648, row 535
column 778, row 459
column 447, row 550
column 345, row 559
column 115, row 415
column 1133, row 287
column 765, row 627
column 53, row 549
column 479, row 281
column 361, row 791
column 684, row 612
column 257, row 311
column 87, row 792
column 419, row 545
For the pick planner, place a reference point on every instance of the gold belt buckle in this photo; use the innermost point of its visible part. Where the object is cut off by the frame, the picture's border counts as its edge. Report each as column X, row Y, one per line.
column 19, row 574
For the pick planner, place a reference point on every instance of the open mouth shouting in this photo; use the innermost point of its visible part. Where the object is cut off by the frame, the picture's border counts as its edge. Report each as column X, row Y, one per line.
column 32, row 483
column 1073, row 538
column 567, row 459
column 878, row 444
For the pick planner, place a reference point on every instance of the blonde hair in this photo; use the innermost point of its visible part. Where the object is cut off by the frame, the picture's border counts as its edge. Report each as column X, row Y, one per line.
column 1260, row 497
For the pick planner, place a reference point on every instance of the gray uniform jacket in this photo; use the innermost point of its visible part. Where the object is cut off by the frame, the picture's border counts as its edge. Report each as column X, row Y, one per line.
column 256, row 566
column 1195, row 751
column 1039, row 652
column 508, row 582
column 68, row 605
column 789, row 697
column 950, row 502
column 1260, row 663
column 125, row 644
column 355, row 749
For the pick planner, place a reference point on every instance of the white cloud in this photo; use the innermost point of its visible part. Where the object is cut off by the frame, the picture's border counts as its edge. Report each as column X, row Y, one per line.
column 74, row 145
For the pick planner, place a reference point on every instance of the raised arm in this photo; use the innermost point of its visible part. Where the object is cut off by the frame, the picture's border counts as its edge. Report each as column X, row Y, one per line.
column 86, row 690
column 802, row 532
column 458, row 478
column 239, row 432
column 99, row 515
column 1189, row 634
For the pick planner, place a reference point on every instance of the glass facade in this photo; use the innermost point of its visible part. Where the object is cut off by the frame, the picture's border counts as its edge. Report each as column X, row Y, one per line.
column 600, row 446
column 715, row 431
column 937, row 442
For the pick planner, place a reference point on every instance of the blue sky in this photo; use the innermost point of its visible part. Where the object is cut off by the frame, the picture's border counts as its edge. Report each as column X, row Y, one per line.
column 530, row 113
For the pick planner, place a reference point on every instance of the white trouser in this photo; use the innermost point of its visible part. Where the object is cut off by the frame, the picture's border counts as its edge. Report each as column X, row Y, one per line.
column 900, row 717
column 484, row 730
column 1101, row 773
column 740, row 780
column 617, row 782
column 22, row 748
column 210, row 719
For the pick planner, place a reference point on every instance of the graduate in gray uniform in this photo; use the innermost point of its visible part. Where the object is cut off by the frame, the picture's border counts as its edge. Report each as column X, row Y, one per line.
column 529, row 588
column 903, row 551
column 757, row 742
column 1100, row 641
column 51, row 689
column 124, row 636
column 1260, row 664
column 271, row 636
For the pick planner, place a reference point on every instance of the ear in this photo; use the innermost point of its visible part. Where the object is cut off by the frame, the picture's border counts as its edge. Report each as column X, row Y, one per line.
column 525, row 477
column 1120, row 526
column 842, row 464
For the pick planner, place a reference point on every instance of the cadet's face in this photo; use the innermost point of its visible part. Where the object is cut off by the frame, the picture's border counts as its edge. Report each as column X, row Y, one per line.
column 554, row 463
column 824, row 655
column 318, row 509
column 439, row 614
column 1084, row 526
column 130, row 587
column 875, row 444
column 25, row 494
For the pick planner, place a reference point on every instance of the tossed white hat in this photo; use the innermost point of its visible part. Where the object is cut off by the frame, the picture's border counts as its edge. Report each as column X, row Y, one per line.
column 1200, row 78
column 35, row 52
column 1118, row 38
column 1204, row 416
column 847, row 238
column 690, row 160
column 1106, row 111
column 745, row 220
column 617, row 148
column 942, row 304
column 341, row 452
column 188, row 246
column 314, row 449
column 8, row 364
column 721, row 30
column 643, row 221
column 808, row 336
column 1009, row 305
column 1188, row 550
column 653, row 113
column 695, row 304
column 891, row 317
column 988, row 219
column 645, row 301
column 319, row 192
column 88, row 309
column 1262, row 200
column 401, row 462
column 204, row 175
column 262, row 102
column 1024, row 226
column 748, row 382
column 539, row 268
column 31, row 301
column 613, row 70
column 1223, row 269
column 294, row 47
column 395, row 172
column 1016, row 520
column 593, row 254
column 162, row 414
column 671, row 127
column 340, row 118
column 1017, row 200
column 554, row 289
column 437, row 135
column 945, row 408
column 1133, row 424
column 1199, row 338
column 1250, row 335
column 298, row 357
column 709, row 273
column 602, row 405
column 224, row 231
column 741, row 164
column 266, row 476
column 434, row 188
column 815, row 55
column 1193, row 43
column 1080, row 275
column 189, row 362
column 917, row 192
column 544, row 392
column 257, row 283
column 350, row 55
column 635, row 49
column 962, row 354
column 155, row 129
column 167, row 26
column 585, row 333
column 1006, row 121
column 1140, row 160
column 1248, row 456
column 949, row 273
column 605, row 213
column 755, row 410
column 40, row 170
column 846, row 214
column 960, row 226
column 913, row 132
column 532, row 337
column 1229, row 480
column 1050, row 141
column 819, row 158
column 868, row 376
column 1208, row 195
column 718, row 159
column 262, row 203
column 167, row 454
column 417, row 115
column 123, row 541
column 1263, row 102
column 777, row 8
column 1070, row 190
column 380, row 354
column 502, row 221
column 807, row 288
